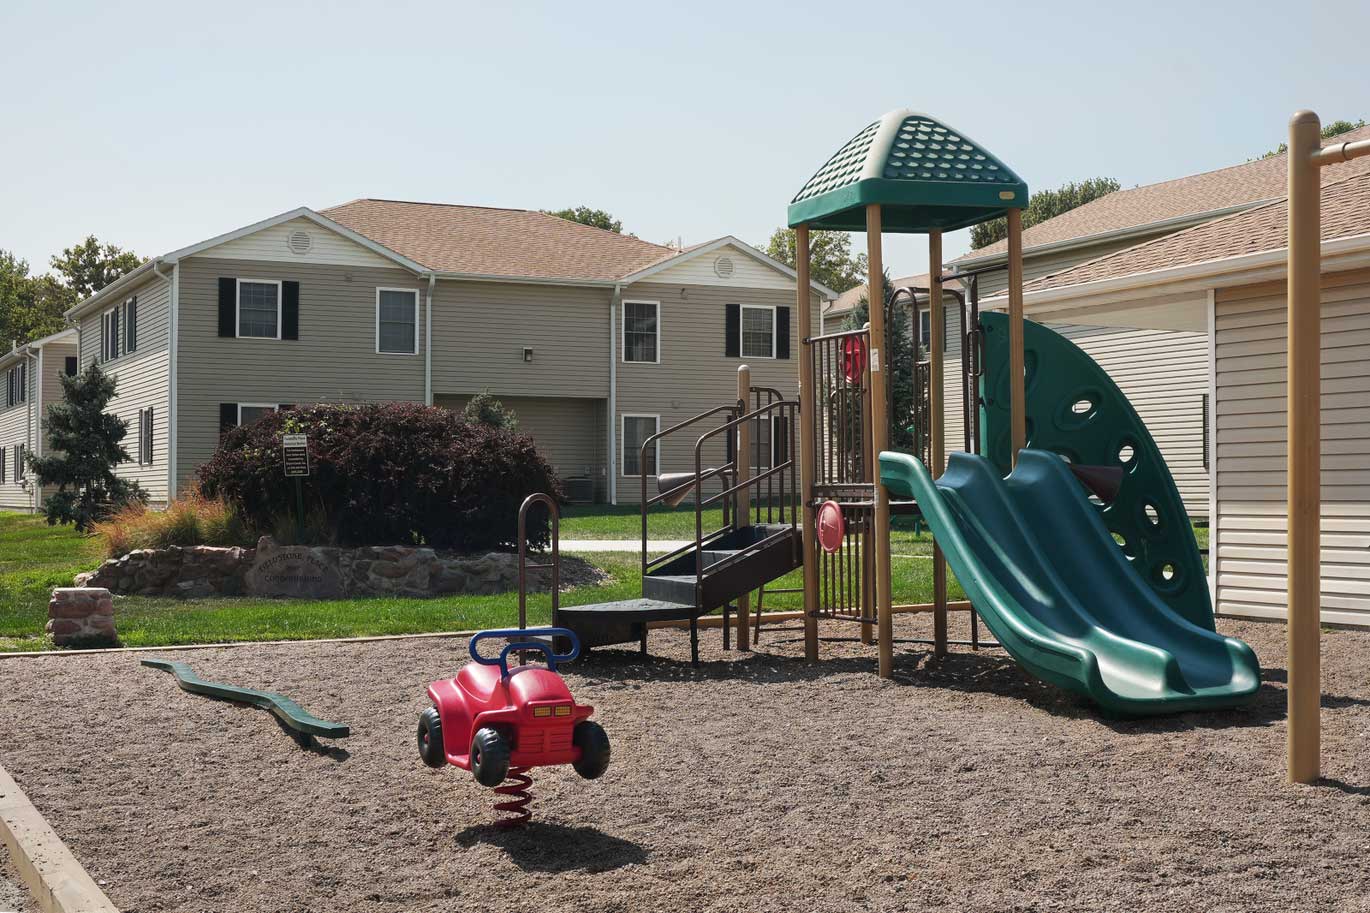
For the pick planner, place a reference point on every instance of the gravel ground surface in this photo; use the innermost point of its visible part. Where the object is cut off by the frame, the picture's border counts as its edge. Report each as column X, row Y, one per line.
column 14, row 897
column 758, row 783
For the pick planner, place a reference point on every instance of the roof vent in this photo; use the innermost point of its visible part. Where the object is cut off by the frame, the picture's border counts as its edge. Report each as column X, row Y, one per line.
column 299, row 242
column 723, row 267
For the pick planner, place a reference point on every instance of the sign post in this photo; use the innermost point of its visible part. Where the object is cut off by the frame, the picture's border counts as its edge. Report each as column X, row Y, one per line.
column 295, row 458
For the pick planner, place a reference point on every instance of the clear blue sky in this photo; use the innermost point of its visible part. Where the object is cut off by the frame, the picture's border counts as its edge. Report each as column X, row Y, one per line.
column 155, row 125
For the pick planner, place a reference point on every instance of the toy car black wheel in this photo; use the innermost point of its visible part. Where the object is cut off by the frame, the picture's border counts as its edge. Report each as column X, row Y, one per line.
column 593, row 743
column 489, row 757
column 431, row 748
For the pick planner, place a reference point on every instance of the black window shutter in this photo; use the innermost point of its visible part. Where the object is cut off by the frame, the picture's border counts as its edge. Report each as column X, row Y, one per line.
column 782, row 332
column 732, row 331
column 228, row 417
column 290, row 310
column 71, row 366
column 228, row 306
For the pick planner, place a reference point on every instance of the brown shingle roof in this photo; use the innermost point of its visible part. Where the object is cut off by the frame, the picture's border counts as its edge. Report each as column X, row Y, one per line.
column 517, row 243
column 1238, row 185
column 1345, row 212
column 848, row 299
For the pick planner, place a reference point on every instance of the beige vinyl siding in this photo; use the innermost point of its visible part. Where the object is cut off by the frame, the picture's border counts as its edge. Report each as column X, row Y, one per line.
column 481, row 328
column 1251, row 349
column 704, row 269
column 694, row 374
column 16, row 427
column 569, row 433
column 143, row 378
column 325, row 247
column 334, row 360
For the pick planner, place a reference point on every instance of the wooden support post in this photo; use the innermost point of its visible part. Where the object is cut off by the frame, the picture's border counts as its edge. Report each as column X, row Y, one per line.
column 807, row 442
column 879, row 437
column 1017, row 385
column 743, row 503
column 937, row 429
column 1305, row 432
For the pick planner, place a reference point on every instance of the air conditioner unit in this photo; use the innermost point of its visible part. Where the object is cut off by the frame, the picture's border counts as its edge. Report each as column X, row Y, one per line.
column 579, row 491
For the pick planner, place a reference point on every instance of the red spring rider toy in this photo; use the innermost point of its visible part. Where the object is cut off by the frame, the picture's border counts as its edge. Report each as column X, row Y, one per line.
column 498, row 723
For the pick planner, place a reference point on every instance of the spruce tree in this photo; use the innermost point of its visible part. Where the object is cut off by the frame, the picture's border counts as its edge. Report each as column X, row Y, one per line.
column 899, row 356
column 85, row 444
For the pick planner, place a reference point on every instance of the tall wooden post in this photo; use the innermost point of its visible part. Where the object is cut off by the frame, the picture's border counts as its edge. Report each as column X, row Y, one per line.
column 1305, row 439
column 937, row 429
column 807, row 442
column 743, row 501
column 879, row 357
column 1017, row 385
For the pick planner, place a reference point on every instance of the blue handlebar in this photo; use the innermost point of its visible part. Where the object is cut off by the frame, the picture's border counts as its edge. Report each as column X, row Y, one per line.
column 503, row 659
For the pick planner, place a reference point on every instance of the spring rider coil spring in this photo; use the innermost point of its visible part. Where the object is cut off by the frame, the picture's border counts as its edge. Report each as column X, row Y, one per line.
column 517, row 785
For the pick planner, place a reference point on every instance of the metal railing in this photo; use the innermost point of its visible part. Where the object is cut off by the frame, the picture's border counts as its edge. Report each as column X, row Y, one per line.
column 841, row 371
column 779, row 480
column 554, row 519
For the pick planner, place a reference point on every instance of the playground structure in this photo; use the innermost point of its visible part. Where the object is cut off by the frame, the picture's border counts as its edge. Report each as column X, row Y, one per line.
column 1082, row 561
column 908, row 173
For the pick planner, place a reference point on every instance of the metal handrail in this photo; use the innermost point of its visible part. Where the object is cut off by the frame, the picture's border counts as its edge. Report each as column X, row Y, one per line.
column 643, row 502
column 553, row 518
column 780, row 406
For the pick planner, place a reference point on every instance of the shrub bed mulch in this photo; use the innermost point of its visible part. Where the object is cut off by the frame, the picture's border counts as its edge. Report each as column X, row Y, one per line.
column 758, row 783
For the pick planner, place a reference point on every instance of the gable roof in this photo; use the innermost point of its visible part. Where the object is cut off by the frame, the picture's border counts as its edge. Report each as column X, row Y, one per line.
column 67, row 335
column 707, row 247
column 1211, row 193
column 503, row 243
column 849, row 299
column 1345, row 214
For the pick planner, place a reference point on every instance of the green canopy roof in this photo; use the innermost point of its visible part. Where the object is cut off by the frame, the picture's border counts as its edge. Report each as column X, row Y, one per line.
column 924, row 174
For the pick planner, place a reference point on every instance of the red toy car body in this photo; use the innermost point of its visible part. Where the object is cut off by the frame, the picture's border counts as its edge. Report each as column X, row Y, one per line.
column 489, row 718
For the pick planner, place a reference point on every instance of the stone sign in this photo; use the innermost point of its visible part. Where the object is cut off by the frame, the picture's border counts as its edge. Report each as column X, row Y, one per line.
column 294, row 571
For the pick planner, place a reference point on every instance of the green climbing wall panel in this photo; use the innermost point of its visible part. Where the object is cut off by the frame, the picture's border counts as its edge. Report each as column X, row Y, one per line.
column 1075, row 410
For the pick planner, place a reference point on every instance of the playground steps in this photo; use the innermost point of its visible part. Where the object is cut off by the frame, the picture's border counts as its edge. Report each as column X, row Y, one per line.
column 735, row 563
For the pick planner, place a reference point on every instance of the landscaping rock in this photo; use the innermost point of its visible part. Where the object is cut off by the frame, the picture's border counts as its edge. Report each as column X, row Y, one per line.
column 82, row 617
column 315, row 572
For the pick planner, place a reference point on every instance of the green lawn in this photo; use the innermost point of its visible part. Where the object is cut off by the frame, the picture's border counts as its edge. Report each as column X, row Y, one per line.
column 35, row 557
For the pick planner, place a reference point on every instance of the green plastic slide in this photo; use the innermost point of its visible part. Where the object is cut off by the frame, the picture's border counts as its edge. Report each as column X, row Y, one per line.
column 1050, row 582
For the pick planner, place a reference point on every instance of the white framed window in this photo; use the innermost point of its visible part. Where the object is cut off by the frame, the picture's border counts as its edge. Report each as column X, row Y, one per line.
column 251, row 412
column 259, row 308
column 397, row 321
column 109, row 334
column 642, row 332
column 17, row 385
column 758, row 331
column 636, row 429
column 925, row 328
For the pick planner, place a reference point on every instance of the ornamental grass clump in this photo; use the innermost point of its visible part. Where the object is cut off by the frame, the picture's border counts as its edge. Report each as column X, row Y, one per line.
column 192, row 520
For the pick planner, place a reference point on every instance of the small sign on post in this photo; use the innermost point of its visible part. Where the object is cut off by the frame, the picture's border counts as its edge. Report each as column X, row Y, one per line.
column 295, row 451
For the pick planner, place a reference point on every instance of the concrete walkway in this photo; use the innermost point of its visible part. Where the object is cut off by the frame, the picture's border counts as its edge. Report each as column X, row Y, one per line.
column 654, row 546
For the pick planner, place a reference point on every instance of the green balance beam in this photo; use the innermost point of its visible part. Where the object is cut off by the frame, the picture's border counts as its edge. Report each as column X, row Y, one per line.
column 289, row 712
